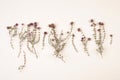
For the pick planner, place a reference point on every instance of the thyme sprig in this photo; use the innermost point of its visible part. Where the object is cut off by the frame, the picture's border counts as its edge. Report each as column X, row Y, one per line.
column 58, row 42
column 99, row 35
column 33, row 37
column 84, row 41
column 12, row 32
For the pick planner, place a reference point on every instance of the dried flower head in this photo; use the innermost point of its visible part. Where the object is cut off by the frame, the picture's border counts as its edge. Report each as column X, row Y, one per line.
column 83, row 38
column 68, row 32
column 35, row 24
column 61, row 34
column 38, row 28
column 73, row 35
column 45, row 33
column 22, row 24
column 101, row 23
column 89, row 39
column 91, row 20
column 78, row 29
column 16, row 24
column 72, row 23
column 52, row 25
column 99, row 30
column 111, row 35
column 9, row 27
column 30, row 24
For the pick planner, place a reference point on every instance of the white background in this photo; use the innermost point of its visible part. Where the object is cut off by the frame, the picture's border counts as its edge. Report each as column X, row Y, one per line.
column 78, row 66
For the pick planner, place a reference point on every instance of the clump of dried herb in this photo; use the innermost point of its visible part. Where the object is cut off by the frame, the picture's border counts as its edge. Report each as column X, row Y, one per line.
column 12, row 32
column 98, row 34
column 84, row 40
column 22, row 35
column 33, row 37
column 58, row 42
column 31, row 34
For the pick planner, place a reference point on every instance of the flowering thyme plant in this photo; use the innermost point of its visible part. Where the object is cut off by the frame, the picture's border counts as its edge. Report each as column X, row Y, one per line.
column 13, row 32
column 84, row 40
column 58, row 42
column 33, row 37
column 29, row 36
column 99, row 35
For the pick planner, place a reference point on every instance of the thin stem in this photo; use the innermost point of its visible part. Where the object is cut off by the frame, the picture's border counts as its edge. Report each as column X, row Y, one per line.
column 21, row 67
column 67, row 37
column 29, row 47
column 111, row 39
column 74, row 44
column 50, row 41
column 95, row 37
column 34, row 51
column 100, row 49
column 38, row 38
column 104, row 34
column 43, row 44
column 20, row 49
column 85, row 47
column 55, row 35
column 11, row 43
